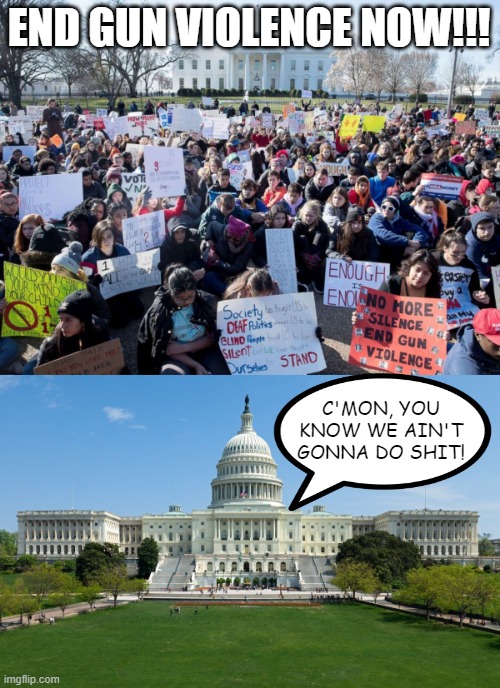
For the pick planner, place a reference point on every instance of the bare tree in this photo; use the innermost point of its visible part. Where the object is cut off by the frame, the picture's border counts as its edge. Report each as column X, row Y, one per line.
column 419, row 69
column 101, row 64
column 351, row 69
column 471, row 77
column 69, row 69
column 378, row 62
column 394, row 69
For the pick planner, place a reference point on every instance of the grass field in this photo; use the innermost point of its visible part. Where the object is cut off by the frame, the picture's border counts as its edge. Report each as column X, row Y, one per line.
column 343, row 646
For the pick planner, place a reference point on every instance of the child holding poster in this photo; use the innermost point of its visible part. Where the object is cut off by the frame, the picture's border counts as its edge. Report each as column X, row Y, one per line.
column 418, row 276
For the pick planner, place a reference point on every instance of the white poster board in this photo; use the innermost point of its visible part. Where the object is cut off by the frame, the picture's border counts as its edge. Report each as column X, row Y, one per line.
column 281, row 258
column 455, row 289
column 343, row 280
column 133, row 183
column 142, row 125
column 164, row 168
column 186, row 119
column 116, row 125
column 271, row 335
column 144, row 232
column 128, row 273
column 495, row 276
column 35, row 112
column 50, row 195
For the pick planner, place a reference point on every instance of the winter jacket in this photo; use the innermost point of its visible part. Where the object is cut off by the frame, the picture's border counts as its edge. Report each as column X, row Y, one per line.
column 379, row 188
column 90, row 257
column 484, row 254
column 370, row 253
column 313, row 192
column 466, row 357
column 334, row 216
column 213, row 214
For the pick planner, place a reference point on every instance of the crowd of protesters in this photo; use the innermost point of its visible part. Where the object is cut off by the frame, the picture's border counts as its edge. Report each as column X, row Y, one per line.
column 215, row 245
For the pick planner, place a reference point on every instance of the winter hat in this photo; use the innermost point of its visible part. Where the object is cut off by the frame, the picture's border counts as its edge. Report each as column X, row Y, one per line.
column 236, row 228
column 70, row 257
column 488, row 141
column 281, row 153
column 47, row 239
column 457, row 159
column 79, row 305
column 392, row 200
column 487, row 322
column 353, row 213
column 476, row 218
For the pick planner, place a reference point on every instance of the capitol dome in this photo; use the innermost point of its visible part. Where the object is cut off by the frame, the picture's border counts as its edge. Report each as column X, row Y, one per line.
column 246, row 471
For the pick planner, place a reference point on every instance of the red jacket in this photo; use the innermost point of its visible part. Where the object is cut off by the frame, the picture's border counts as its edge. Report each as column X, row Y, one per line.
column 177, row 210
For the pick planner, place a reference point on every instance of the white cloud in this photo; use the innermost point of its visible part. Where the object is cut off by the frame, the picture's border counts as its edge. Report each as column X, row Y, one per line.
column 8, row 382
column 117, row 415
column 138, row 427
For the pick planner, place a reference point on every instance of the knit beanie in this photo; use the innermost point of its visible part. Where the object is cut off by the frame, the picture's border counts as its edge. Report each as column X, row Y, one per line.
column 236, row 228
column 47, row 239
column 70, row 257
column 353, row 213
column 79, row 305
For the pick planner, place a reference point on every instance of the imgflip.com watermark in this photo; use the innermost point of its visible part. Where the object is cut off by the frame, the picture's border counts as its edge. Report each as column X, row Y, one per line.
column 28, row 680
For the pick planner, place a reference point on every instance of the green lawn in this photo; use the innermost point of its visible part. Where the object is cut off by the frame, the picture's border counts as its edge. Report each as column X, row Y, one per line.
column 342, row 646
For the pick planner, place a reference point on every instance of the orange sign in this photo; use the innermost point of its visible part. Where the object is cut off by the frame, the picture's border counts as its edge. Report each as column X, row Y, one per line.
column 57, row 141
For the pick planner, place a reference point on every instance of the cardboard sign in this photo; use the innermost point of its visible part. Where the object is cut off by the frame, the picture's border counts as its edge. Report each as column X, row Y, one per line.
column 50, row 195
column 186, row 119
column 344, row 280
column 128, row 273
column 349, row 126
column 142, row 125
column 238, row 174
column 455, row 289
column 33, row 297
column 271, row 335
column 399, row 334
column 335, row 169
column 446, row 187
column 280, row 251
column 103, row 359
column 133, row 183
column 296, row 122
column 468, row 127
column 28, row 151
column 164, row 168
column 35, row 112
column 143, row 232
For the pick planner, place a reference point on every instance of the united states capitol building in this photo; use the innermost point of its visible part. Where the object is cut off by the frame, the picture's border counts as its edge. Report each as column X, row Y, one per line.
column 246, row 530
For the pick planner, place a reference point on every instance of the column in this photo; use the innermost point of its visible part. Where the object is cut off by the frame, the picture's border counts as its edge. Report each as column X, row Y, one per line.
column 229, row 72
column 264, row 71
column 281, row 83
column 247, row 72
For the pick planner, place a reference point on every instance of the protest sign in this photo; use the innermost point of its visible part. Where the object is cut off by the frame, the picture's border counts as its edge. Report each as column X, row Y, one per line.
column 296, row 122
column 35, row 112
column 309, row 120
column 307, row 94
column 287, row 109
column 103, row 359
column 373, row 123
column 28, row 151
column 56, row 140
column 3, row 130
column 495, row 276
column 267, row 120
column 164, row 168
column 336, row 169
column 115, row 125
column 33, row 297
column 208, row 102
column 186, row 119
column 136, row 149
column 271, row 335
column 133, row 183
column 143, row 232
column 455, row 289
column 349, row 126
column 50, row 195
column 101, row 112
column 459, row 116
column 481, row 113
column 399, row 334
column 492, row 130
column 142, row 125
column 238, row 173
column 220, row 128
column 163, row 118
column 281, row 258
column 127, row 273
column 344, row 279
column 20, row 125
column 468, row 127
column 443, row 186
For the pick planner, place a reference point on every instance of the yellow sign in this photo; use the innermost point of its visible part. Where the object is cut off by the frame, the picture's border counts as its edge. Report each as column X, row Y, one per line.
column 33, row 297
column 459, row 116
column 373, row 123
column 349, row 126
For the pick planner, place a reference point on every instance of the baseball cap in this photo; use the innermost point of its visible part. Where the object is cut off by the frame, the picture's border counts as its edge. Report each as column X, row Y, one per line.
column 487, row 322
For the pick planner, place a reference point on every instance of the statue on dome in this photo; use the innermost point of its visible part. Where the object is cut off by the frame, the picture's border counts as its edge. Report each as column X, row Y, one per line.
column 247, row 401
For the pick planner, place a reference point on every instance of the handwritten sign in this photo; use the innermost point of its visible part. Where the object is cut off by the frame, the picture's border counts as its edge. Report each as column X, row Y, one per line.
column 143, row 232
column 271, row 335
column 116, row 125
column 443, row 186
column 281, row 258
column 495, row 276
column 20, row 125
column 186, row 119
column 373, row 123
column 296, row 122
column 35, row 112
column 455, row 289
column 343, row 280
column 33, row 297
column 237, row 172
column 128, row 273
column 335, row 169
column 103, row 359
column 267, row 120
column 164, row 168
column 349, row 126
column 307, row 94
column 398, row 334
column 136, row 149
column 467, row 127
column 142, row 125
column 133, row 183
column 28, row 151
column 492, row 130
column 50, row 195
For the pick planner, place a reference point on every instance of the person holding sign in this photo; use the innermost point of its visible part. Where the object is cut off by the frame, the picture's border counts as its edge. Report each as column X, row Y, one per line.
column 477, row 349
column 178, row 333
column 418, row 276
column 78, row 329
column 311, row 238
column 352, row 240
column 147, row 204
column 483, row 246
column 451, row 252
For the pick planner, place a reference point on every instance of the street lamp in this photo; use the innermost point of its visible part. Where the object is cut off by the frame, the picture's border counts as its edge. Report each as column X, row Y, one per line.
column 452, row 85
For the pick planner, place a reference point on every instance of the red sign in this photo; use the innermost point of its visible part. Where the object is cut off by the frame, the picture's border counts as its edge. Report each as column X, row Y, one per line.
column 399, row 334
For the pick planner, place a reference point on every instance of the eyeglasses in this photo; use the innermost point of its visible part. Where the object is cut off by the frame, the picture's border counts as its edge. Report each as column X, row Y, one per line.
column 186, row 299
column 387, row 207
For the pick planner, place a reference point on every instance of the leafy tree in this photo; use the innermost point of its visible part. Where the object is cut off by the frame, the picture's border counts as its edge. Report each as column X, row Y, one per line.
column 96, row 559
column 424, row 586
column 41, row 580
column 138, row 586
column 8, row 543
column 356, row 576
column 90, row 594
column 66, row 590
column 25, row 562
column 459, row 593
column 486, row 590
column 148, row 556
column 486, row 547
column 23, row 602
column 114, row 581
column 390, row 556
column 6, row 600
column 7, row 563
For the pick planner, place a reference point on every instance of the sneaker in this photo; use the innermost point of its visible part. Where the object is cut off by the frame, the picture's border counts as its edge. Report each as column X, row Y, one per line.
column 302, row 287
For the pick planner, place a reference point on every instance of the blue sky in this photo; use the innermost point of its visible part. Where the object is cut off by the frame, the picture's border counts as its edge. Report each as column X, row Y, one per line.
column 136, row 445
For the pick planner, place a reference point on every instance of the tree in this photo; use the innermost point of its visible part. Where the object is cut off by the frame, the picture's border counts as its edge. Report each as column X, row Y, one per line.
column 25, row 562
column 424, row 587
column 486, row 590
column 114, row 581
column 459, row 591
column 378, row 61
column 6, row 600
column 355, row 576
column 23, row 602
column 70, row 71
column 102, row 66
column 351, row 69
column 471, row 76
column 19, row 66
column 390, row 556
column 8, row 543
column 137, row 586
column 66, row 591
column 419, row 68
column 394, row 72
column 41, row 580
column 96, row 559
column 486, row 547
column 90, row 594
column 148, row 555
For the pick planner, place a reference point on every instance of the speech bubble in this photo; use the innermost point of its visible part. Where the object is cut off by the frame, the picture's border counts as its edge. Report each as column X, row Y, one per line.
column 379, row 432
